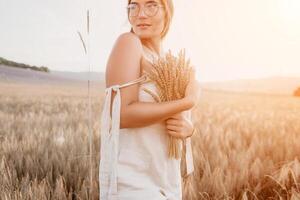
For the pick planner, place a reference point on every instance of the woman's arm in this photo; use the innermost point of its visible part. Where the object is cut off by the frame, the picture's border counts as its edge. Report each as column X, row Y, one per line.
column 124, row 66
column 140, row 114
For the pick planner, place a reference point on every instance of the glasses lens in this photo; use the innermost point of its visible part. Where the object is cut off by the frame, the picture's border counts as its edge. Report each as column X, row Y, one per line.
column 151, row 9
column 133, row 9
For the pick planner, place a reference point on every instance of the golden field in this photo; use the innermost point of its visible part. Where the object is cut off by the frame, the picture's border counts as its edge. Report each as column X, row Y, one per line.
column 247, row 146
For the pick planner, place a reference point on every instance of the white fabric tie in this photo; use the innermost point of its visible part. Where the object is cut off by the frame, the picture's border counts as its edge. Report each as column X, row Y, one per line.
column 189, row 157
column 110, row 145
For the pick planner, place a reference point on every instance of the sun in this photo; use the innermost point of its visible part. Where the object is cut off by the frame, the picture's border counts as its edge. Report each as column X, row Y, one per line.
column 290, row 10
column 289, row 15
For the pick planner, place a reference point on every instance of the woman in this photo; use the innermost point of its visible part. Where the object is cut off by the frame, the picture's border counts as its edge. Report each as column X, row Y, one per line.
column 134, row 128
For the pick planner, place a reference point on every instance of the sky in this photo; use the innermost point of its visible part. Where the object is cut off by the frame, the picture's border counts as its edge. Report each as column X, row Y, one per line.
column 225, row 40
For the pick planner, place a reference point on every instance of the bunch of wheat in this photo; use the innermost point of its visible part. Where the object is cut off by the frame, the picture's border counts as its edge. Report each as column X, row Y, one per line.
column 171, row 76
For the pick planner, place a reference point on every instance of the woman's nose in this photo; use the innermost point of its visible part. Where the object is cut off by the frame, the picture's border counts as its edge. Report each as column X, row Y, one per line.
column 142, row 13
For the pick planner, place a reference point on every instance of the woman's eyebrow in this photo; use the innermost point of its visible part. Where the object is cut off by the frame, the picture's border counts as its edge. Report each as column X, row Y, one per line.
column 134, row 2
column 151, row 1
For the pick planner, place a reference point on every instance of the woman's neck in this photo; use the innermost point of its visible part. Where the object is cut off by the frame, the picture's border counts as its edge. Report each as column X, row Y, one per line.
column 153, row 44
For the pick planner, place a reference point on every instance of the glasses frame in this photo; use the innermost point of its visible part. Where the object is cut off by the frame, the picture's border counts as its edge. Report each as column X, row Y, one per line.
column 143, row 7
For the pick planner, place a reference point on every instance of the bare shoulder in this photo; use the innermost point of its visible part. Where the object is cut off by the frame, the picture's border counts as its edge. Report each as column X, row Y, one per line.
column 123, row 64
column 129, row 38
column 128, row 43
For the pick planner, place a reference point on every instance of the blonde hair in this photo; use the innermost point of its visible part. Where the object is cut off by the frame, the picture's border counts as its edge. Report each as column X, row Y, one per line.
column 169, row 9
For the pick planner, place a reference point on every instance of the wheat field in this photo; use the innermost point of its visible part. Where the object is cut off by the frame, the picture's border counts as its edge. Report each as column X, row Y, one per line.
column 247, row 146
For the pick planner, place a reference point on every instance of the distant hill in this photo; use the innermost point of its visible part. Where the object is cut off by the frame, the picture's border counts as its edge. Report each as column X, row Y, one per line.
column 269, row 85
column 10, row 63
column 13, row 74
column 93, row 76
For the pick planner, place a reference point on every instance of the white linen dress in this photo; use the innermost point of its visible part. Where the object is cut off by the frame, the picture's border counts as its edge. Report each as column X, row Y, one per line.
column 133, row 161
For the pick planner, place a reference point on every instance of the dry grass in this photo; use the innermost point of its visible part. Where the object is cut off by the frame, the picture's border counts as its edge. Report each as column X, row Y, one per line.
column 247, row 147
column 44, row 142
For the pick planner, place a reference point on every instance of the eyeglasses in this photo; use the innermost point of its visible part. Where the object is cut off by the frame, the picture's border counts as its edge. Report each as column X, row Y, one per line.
column 150, row 9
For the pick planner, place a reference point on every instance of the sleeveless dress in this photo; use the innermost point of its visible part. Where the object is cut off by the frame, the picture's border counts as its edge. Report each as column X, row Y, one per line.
column 133, row 161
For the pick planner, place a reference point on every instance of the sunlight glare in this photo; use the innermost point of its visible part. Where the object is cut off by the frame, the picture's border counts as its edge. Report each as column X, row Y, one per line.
column 290, row 10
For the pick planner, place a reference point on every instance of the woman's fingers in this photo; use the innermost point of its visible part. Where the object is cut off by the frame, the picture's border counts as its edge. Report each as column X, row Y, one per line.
column 174, row 128
column 174, row 122
column 175, row 119
column 175, row 134
column 178, row 126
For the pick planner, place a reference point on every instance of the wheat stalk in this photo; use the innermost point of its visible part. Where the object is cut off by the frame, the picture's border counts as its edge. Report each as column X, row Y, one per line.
column 86, row 47
column 154, row 96
column 171, row 75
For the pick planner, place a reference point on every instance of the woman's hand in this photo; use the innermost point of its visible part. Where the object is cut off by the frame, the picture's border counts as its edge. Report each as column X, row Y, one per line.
column 179, row 126
column 192, row 90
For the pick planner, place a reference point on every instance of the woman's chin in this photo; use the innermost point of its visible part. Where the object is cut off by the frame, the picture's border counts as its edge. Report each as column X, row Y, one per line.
column 144, row 35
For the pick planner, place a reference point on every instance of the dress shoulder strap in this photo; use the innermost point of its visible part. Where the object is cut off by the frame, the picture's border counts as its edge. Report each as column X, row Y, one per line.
column 138, row 80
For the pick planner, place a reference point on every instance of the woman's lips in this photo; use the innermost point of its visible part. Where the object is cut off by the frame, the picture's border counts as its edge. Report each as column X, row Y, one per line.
column 143, row 25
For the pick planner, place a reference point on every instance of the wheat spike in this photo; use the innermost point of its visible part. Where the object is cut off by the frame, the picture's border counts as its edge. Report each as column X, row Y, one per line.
column 171, row 75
